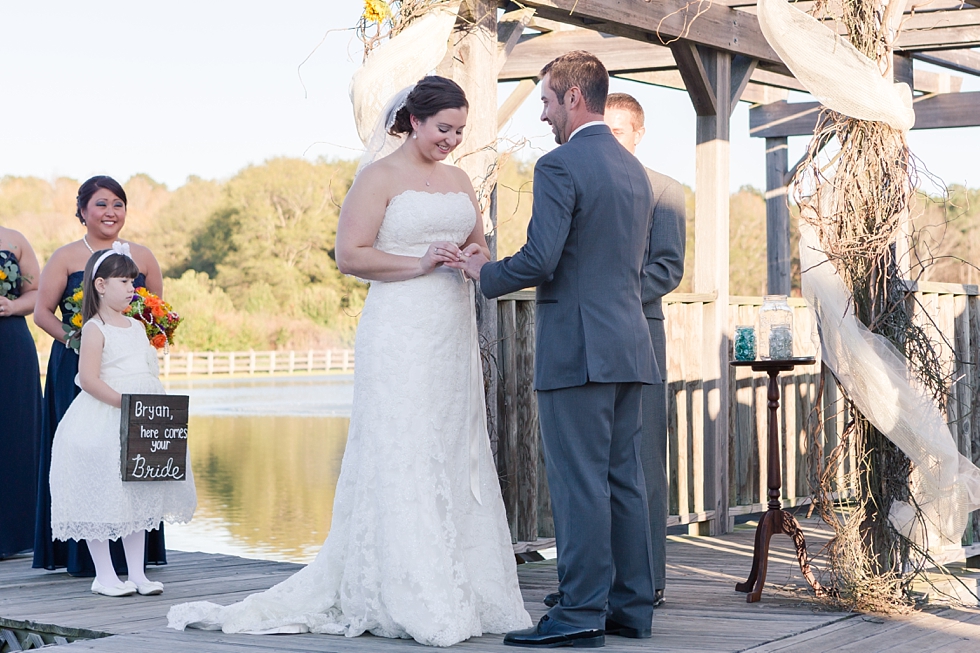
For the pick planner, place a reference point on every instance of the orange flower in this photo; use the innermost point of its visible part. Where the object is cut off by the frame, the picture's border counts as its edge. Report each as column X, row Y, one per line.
column 159, row 341
column 158, row 311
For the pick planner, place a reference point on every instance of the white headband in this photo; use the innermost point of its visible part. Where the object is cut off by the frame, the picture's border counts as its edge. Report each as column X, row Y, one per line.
column 117, row 248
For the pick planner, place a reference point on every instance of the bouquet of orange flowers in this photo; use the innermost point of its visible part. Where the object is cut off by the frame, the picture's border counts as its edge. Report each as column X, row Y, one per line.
column 157, row 316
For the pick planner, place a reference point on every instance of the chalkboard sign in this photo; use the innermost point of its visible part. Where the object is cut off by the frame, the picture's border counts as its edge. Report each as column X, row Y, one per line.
column 154, row 437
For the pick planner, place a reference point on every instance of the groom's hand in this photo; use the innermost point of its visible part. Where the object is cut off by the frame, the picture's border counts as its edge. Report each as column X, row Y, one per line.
column 472, row 261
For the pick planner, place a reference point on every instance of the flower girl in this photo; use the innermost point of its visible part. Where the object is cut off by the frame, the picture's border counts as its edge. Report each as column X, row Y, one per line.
column 88, row 497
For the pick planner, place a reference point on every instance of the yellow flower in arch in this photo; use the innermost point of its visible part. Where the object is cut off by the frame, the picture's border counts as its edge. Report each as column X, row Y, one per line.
column 375, row 11
column 76, row 320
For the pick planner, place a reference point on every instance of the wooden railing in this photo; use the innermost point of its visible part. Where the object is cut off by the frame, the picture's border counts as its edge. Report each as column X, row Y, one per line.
column 952, row 312
column 247, row 362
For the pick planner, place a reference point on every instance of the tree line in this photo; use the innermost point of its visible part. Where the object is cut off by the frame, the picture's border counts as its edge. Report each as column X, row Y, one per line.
column 248, row 261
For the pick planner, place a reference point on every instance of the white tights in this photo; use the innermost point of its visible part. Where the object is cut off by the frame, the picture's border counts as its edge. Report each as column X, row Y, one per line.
column 133, row 545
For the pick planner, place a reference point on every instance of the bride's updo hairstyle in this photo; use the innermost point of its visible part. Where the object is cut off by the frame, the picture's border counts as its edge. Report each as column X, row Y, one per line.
column 430, row 96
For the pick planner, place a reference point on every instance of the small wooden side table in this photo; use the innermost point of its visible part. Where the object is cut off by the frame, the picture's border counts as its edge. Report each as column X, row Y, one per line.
column 775, row 520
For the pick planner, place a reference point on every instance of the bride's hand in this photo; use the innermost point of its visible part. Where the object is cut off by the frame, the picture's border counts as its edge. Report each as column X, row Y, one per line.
column 438, row 254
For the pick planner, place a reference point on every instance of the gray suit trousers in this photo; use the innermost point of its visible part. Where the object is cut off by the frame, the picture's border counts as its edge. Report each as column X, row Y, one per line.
column 591, row 437
column 653, row 454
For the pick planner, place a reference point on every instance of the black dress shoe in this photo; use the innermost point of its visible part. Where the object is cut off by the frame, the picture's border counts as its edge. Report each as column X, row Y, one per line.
column 613, row 627
column 552, row 599
column 552, row 634
column 658, row 598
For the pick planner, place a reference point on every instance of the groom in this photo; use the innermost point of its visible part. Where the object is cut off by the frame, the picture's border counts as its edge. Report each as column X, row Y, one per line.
column 585, row 252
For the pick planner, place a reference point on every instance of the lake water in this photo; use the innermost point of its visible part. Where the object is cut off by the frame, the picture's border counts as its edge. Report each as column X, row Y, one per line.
column 266, row 454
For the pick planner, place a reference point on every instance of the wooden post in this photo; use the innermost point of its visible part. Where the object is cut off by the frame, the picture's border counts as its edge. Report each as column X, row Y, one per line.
column 473, row 62
column 902, row 67
column 777, row 217
column 715, row 80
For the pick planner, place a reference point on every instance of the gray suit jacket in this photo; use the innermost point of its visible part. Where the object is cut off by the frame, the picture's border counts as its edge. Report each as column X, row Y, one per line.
column 664, row 265
column 590, row 224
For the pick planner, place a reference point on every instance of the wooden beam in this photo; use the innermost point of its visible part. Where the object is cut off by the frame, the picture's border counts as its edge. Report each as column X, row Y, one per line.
column 696, row 78
column 753, row 93
column 623, row 57
column 742, row 69
column 939, row 111
column 962, row 61
column 514, row 101
column 967, row 36
column 617, row 54
column 509, row 30
column 660, row 22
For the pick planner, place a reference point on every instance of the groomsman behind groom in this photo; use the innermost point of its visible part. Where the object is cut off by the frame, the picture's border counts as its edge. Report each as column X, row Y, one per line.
column 662, row 273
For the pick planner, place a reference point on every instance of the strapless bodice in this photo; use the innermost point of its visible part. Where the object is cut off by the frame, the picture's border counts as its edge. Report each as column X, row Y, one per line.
column 415, row 219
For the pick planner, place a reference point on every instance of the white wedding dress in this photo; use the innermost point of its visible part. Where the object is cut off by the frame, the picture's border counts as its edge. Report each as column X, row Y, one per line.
column 419, row 545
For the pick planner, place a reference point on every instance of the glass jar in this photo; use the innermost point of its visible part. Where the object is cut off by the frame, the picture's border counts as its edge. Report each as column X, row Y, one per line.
column 780, row 343
column 775, row 312
column 744, row 343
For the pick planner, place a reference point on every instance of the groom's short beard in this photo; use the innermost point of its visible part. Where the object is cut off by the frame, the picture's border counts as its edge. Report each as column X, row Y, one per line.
column 558, row 126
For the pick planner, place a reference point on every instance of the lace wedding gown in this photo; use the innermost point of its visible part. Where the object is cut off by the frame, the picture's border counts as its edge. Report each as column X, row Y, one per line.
column 419, row 545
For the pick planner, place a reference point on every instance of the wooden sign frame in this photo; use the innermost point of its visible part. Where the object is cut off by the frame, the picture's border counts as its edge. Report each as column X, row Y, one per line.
column 153, row 437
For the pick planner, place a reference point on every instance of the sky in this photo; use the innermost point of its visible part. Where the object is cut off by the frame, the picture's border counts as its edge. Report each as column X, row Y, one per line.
column 209, row 87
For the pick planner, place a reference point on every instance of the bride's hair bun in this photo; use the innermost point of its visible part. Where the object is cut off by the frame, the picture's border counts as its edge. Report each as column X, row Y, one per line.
column 430, row 96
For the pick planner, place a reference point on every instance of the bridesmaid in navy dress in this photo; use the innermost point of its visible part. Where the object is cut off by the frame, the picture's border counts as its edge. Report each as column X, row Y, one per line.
column 20, row 405
column 101, row 209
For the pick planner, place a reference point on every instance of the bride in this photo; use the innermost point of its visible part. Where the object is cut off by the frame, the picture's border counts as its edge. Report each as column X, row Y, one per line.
column 419, row 545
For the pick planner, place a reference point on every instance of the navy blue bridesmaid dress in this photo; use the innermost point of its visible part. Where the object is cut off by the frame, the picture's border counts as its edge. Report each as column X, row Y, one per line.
column 20, row 427
column 59, row 391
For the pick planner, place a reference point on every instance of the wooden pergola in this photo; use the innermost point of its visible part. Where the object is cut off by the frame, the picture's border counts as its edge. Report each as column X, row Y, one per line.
column 715, row 50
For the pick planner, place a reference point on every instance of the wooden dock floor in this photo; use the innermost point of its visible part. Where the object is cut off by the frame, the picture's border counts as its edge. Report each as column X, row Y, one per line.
column 702, row 613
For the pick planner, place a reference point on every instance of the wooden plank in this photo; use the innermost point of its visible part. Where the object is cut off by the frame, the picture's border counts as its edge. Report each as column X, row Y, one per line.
column 507, row 410
column 780, row 119
column 745, row 422
column 679, row 357
column 965, row 36
column 674, row 391
column 715, row 26
column 963, row 362
column 945, row 339
column 699, row 471
column 527, row 426
column 974, row 308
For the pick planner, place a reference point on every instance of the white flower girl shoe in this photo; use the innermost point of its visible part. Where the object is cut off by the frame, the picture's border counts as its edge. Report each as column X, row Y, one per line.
column 149, row 588
column 122, row 589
